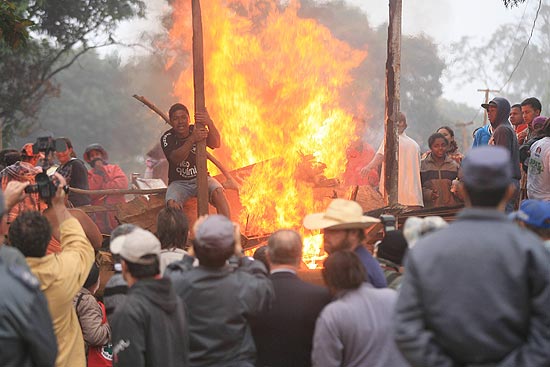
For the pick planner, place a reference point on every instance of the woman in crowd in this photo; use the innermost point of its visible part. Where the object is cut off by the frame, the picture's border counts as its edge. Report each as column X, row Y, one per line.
column 356, row 329
column 452, row 149
column 437, row 172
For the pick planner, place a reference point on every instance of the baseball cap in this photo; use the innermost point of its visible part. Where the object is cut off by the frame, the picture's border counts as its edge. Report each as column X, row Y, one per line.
column 491, row 103
column 487, row 167
column 535, row 213
column 217, row 231
column 134, row 245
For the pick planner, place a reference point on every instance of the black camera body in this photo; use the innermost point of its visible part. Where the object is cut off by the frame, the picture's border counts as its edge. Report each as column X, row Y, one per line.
column 388, row 221
column 47, row 145
column 45, row 187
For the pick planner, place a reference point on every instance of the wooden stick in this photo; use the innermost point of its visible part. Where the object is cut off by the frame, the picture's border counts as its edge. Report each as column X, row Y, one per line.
column 231, row 183
column 118, row 191
column 200, row 106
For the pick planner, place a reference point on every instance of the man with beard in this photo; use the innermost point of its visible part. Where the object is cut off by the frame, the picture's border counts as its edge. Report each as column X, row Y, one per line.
column 343, row 226
column 498, row 111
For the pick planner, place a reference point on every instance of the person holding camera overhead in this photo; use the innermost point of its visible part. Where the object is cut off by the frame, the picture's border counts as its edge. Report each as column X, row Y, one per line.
column 24, row 170
column 75, row 173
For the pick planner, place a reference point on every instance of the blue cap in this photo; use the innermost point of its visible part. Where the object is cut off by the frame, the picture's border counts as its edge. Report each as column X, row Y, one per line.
column 536, row 213
column 487, row 167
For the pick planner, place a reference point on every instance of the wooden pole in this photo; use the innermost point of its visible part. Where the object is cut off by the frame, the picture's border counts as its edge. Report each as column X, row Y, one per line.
column 393, row 71
column 200, row 106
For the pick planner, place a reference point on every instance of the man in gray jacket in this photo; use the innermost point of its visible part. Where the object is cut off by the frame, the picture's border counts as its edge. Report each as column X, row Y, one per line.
column 476, row 293
column 220, row 298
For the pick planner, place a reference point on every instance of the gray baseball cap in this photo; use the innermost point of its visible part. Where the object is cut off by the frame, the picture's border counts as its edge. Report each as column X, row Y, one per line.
column 217, row 231
column 487, row 167
column 136, row 244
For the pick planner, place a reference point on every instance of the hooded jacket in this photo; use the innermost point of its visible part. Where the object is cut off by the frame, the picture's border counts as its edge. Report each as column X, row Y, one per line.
column 150, row 328
column 61, row 276
column 504, row 133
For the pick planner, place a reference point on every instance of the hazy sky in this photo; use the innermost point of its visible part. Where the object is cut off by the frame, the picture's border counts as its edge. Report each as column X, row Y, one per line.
column 445, row 21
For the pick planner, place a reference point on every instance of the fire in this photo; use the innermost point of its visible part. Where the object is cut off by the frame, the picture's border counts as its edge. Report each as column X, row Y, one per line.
column 273, row 86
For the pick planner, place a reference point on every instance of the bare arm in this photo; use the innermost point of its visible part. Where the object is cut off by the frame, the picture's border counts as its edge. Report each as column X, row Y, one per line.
column 374, row 164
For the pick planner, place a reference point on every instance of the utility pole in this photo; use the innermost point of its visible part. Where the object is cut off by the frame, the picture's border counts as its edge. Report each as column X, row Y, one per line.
column 393, row 72
column 486, row 91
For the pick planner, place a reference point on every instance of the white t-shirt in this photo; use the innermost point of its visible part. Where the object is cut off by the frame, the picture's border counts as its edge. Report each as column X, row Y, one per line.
column 409, row 187
column 538, row 174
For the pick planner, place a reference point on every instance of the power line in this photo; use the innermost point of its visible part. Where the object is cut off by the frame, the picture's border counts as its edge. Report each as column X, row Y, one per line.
column 524, row 48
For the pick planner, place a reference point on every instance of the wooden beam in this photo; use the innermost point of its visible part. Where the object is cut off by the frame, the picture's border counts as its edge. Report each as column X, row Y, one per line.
column 200, row 105
column 393, row 71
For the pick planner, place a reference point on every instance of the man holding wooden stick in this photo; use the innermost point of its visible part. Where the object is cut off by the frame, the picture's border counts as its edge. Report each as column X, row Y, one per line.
column 179, row 146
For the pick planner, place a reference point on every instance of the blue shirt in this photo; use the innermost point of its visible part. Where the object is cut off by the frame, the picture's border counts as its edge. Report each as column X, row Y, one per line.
column 374, row 271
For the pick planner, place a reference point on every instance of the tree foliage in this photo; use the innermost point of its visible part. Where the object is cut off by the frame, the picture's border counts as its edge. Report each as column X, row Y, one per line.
column 500, row 56
column 512, row 3
column 63, row 31
column 13, row 28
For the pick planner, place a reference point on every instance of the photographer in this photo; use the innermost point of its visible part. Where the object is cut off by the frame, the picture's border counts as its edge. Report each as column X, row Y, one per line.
column 74, row 172
column 60, row 275
column 23, row 171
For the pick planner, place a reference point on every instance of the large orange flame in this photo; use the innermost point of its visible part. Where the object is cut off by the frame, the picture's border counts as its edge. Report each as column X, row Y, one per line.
column 273, row 86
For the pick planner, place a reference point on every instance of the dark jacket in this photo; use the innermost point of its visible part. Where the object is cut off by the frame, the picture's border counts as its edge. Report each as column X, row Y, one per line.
column 440, row 178
column 26, row 332
column 284, row 334
column 150, row 328
column 504, row 133
column 220, row 302
column 474, row 293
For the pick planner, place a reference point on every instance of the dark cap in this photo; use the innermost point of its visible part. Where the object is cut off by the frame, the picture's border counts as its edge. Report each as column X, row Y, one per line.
column 216, row 232
column 487, row 167
column 491, row 103
column 393, row 247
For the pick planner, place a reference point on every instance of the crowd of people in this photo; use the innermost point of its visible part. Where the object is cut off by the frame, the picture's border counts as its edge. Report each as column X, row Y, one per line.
column 474, row 292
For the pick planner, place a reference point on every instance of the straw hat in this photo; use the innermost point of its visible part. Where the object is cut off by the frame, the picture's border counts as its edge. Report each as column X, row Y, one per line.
column 340, row 214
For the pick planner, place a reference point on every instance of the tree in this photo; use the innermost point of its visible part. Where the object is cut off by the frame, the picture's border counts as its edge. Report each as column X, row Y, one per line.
column 511, row 3
column 63, row 31
column 13, row 28
column 504, row 60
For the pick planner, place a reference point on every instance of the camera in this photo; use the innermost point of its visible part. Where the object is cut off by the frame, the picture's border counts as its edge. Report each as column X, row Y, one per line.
column 45, row 187
column 388, row 221
column 47, row 144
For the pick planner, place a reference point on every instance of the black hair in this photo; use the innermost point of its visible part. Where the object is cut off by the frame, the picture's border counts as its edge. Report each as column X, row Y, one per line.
column 172, row 228
column 93, row 276
column 69, row 145
column 144, row 271
column 285, row 247
column 487, row 198
column 261, row 255
column 533, row 102
column 516, row 105
column 435, row 136
column 344, row 270
column 31, row 233
column 177, row 107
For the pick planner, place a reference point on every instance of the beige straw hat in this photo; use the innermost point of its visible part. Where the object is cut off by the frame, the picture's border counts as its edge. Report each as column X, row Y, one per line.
column 340, row 214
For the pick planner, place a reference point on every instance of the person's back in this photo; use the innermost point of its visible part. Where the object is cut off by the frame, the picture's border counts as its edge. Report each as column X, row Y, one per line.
column 61, row 275
column 284, row 333
column 149, row 329
column 355, row 329
column 477, row 291
column 26, row 333
column 220, row 298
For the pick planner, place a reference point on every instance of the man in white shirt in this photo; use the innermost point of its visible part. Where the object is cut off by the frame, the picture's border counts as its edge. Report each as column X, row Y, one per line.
column 409, row 185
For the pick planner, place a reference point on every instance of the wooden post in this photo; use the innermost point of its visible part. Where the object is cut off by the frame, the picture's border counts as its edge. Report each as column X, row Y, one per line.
column 393, row 71
column 200, row 105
